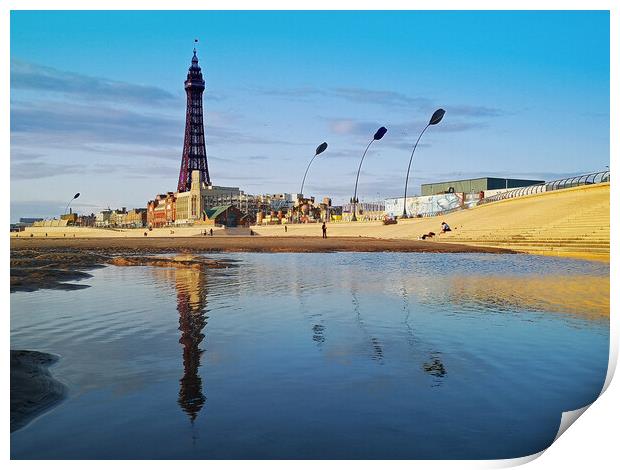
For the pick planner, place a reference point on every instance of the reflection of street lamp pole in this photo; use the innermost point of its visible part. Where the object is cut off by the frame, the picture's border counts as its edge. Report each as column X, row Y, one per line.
column 73, row 199
column 435, row 119
column 378, row 136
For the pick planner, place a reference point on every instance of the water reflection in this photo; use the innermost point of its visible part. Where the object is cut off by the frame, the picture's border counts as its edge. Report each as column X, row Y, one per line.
column 442, row 354
column 407, row 311
column 376, row 350
column 191, row 303
column 436, row 368
column 582, row 295
column 318, row 336
column 300, row 285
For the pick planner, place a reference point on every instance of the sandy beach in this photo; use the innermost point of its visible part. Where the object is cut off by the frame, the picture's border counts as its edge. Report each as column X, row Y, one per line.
column 271, row 244
column 33, row 389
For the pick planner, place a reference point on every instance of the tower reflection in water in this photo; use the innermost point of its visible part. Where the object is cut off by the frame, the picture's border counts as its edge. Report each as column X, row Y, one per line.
column 191, row 303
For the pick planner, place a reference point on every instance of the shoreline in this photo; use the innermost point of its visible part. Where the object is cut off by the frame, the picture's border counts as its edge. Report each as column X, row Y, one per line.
column 33, row 388
column 33, row 269
column 258, row 244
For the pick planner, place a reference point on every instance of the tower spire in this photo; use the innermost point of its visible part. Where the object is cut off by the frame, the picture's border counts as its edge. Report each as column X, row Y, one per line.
column 194, row 149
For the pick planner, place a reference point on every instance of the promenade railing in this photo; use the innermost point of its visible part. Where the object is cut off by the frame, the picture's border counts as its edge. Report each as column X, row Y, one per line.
column 563, row 183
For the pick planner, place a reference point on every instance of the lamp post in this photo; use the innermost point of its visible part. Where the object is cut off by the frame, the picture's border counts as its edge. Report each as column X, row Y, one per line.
column 73, row 199
column 435, row 119
column 378, row 136
column 319, row 150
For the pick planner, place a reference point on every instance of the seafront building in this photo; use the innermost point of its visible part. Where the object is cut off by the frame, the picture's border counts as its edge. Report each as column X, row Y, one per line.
column 191, row 206
column 452, row 195
column 72, row 219
column 135, row 218
column 475, row 185
column 102, row 219
column 120, row 218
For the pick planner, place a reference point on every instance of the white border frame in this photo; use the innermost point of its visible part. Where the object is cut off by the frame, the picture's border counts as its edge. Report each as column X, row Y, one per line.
column 591, row 443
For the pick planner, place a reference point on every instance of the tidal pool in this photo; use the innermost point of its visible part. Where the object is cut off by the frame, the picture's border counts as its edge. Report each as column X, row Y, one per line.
column 343, row 355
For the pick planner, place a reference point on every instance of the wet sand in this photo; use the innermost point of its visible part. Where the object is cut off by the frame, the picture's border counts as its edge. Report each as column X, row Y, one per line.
column 250, row 244
column 54, row 268
column 33, row 389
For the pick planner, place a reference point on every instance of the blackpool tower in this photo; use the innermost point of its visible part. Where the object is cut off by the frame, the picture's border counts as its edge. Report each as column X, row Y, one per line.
column 194, row 150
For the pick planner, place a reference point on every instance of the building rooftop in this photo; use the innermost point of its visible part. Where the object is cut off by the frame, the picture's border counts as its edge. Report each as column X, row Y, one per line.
column 213, row 212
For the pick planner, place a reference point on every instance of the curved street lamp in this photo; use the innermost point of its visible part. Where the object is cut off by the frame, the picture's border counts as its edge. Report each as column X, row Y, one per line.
column 435, row 119
column 378, row 136
column 73, row 199
column 319, row 150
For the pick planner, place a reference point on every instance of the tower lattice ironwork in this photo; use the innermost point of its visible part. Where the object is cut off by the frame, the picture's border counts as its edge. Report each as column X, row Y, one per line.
column 194, row 149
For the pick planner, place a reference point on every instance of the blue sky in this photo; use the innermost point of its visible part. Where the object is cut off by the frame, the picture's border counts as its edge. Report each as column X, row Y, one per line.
column 98, row 106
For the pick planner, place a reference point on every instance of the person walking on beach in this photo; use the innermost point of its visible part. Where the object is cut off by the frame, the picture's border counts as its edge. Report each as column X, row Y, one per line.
column 285, row 229
column 211, row 232
column 324, row 228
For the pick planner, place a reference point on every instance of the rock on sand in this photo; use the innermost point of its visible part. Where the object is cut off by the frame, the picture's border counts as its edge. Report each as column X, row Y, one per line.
column 33, row 389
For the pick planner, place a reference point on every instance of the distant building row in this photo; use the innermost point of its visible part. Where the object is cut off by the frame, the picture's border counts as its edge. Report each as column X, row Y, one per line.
column 229, row 206
column 121, row 218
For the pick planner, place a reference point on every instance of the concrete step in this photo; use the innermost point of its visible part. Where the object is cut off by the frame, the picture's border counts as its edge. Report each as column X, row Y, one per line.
column 580, row 239
column 532, row 239
column 589, row 239
column 531, row 229
column 541, row 244
column 538, row 248
column 539, row 235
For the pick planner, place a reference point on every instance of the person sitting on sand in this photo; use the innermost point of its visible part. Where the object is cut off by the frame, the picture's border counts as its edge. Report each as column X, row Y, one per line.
column 427, row 235
column 145, row 234
column 445, row 228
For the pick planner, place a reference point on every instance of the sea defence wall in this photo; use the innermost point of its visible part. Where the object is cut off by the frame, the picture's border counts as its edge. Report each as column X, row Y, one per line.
column 568, row 222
